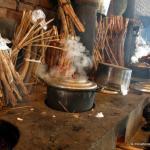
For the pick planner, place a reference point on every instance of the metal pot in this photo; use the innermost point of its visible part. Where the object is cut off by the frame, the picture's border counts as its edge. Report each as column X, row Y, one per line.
column 113, row 77
column 71, row 95
column 142, row 72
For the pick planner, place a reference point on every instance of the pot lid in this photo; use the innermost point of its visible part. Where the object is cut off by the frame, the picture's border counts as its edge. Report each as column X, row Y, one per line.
column 73, row 84
column 141, row 86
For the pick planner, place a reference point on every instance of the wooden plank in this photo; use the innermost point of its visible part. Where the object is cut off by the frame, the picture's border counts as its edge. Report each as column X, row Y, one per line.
column 9, row 13
column 3, row 12
column 8, row 4
column 25, row 6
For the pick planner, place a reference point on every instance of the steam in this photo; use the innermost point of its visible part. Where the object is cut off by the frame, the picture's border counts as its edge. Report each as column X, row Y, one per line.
column 78, row 57
column 142, row 49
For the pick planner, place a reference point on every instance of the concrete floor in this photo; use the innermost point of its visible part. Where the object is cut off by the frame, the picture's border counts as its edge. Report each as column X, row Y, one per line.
column 42, row 128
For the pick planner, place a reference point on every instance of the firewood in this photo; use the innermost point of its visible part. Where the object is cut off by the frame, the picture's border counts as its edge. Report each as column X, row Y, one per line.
column 110, row 39
column 8, row 89
column 64, row 22
column 70, row 12
column 16, row 76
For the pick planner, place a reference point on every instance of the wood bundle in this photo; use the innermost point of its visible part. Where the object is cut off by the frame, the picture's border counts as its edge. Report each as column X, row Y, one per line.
column 109, row 43
column 68, row 18
column 52, row 55
column 116, row 36
column 67, row 26
column 68, row 10
column 32, row 40
column 57, row 59
column 12, row 87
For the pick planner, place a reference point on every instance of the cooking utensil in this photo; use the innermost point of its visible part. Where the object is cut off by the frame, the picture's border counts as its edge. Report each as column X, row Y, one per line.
column 140, row 71
column 71, row 95
column 113, row 77
column 141, row 86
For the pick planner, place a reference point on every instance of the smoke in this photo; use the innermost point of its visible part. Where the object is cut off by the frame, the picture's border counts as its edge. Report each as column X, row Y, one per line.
column 142, row 49
column 78, row 57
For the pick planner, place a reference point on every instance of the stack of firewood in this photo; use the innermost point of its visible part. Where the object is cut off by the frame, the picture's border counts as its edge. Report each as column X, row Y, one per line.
column 109, row 43
column 12, row 88
column 32, row 39
column 58, row 59
column 67, row 13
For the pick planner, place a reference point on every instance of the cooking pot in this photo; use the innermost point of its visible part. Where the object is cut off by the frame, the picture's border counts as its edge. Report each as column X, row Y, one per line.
column 113, row 77
column 71, row 95
column 139, row 71
column 141, row 86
